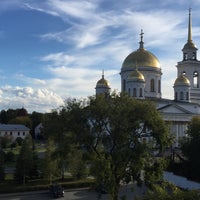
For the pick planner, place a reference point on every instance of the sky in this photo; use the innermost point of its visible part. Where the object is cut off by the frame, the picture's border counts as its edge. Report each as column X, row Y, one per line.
column 51, row 50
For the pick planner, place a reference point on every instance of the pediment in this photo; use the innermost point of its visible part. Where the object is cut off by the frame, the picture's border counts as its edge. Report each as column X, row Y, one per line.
column 174, row 108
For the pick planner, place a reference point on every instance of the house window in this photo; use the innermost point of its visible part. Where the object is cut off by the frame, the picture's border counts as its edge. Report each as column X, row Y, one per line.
column 23, row 133
column 195, row 79
column 152, row 85
column 18, row 133
column 10, row 132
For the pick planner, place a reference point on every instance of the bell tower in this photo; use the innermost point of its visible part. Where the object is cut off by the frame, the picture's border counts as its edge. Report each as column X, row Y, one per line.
column 190, row 65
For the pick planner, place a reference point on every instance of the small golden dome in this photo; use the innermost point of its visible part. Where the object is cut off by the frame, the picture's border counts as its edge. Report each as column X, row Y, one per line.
column 136, row 76
column 182, row 80
column 103, row 82
column 143, row 58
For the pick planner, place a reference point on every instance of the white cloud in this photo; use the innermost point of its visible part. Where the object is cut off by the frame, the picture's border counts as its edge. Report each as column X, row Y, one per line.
column 98, row 38
column 77, row 9
column 41, row 100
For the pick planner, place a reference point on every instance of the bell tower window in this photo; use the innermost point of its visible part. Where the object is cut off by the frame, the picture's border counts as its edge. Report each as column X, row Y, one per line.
column 185, row 56
column 195, row 79
column 193, row 56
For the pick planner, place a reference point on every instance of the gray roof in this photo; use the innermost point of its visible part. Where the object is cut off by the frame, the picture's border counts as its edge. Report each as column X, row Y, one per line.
column 13, row 127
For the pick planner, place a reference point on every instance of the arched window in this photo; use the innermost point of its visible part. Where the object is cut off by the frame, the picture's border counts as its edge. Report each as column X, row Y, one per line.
column 134, row 92
column 187, row 96
column 176, row 96
column 129, row 92
column 124, row 85
column 185, row 56
column 195, row 79
column 183, row 73
column 181, row 96
column 159, row 86
column 141, row 95
column 193, row 56
column 152, row 85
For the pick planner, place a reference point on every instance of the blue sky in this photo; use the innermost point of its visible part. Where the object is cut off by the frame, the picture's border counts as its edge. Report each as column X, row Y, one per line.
column 54, row 49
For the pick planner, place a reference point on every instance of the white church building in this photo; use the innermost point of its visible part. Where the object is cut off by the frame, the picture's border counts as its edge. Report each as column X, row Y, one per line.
column 141, row 79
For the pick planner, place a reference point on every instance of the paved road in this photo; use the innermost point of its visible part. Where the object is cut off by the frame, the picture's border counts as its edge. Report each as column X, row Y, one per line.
column 76, row 194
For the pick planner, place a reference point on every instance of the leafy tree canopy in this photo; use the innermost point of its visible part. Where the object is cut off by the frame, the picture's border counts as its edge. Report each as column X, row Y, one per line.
column 191, row 148
column 112, row 131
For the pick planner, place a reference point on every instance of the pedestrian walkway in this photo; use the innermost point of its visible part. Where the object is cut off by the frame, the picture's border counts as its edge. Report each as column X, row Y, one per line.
column 181, row 182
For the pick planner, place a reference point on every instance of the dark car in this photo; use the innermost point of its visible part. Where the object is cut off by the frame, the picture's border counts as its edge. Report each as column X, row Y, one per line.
column 57, row 190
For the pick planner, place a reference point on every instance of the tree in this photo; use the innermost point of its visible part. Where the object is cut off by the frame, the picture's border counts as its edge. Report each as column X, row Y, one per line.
column 76, row 163
column 49, row 164
column 25, row 120
column 166, row 191
column 191, row 148
column 24, row 161
column 5, row 141
column 2, row 165
column 111, row 130
column 57, row 128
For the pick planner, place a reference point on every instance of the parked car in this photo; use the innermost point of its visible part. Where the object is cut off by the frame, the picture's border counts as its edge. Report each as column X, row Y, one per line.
column 57, row 190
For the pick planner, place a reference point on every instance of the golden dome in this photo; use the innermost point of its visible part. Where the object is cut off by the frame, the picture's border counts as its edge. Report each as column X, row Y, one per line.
column 142, row 58
column 102, row 82
column 182, row 80
column 136, row 76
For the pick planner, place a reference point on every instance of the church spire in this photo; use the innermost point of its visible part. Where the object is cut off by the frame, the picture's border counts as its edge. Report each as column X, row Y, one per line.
column 189, row 49
column 103, row 74
column 141, row 40
column 190, row 27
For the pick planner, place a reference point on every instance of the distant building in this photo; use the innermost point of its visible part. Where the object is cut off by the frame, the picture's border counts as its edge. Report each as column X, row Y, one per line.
column 14, row 131
column 141, row 79
column 38, row 131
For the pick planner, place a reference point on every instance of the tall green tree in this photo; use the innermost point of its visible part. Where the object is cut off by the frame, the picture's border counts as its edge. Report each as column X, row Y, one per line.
column 24, row 161
column 57, row 128
column 2, row 165
column 191, row 148
column 111, row 130
column 50, row 164
column 76, row 163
